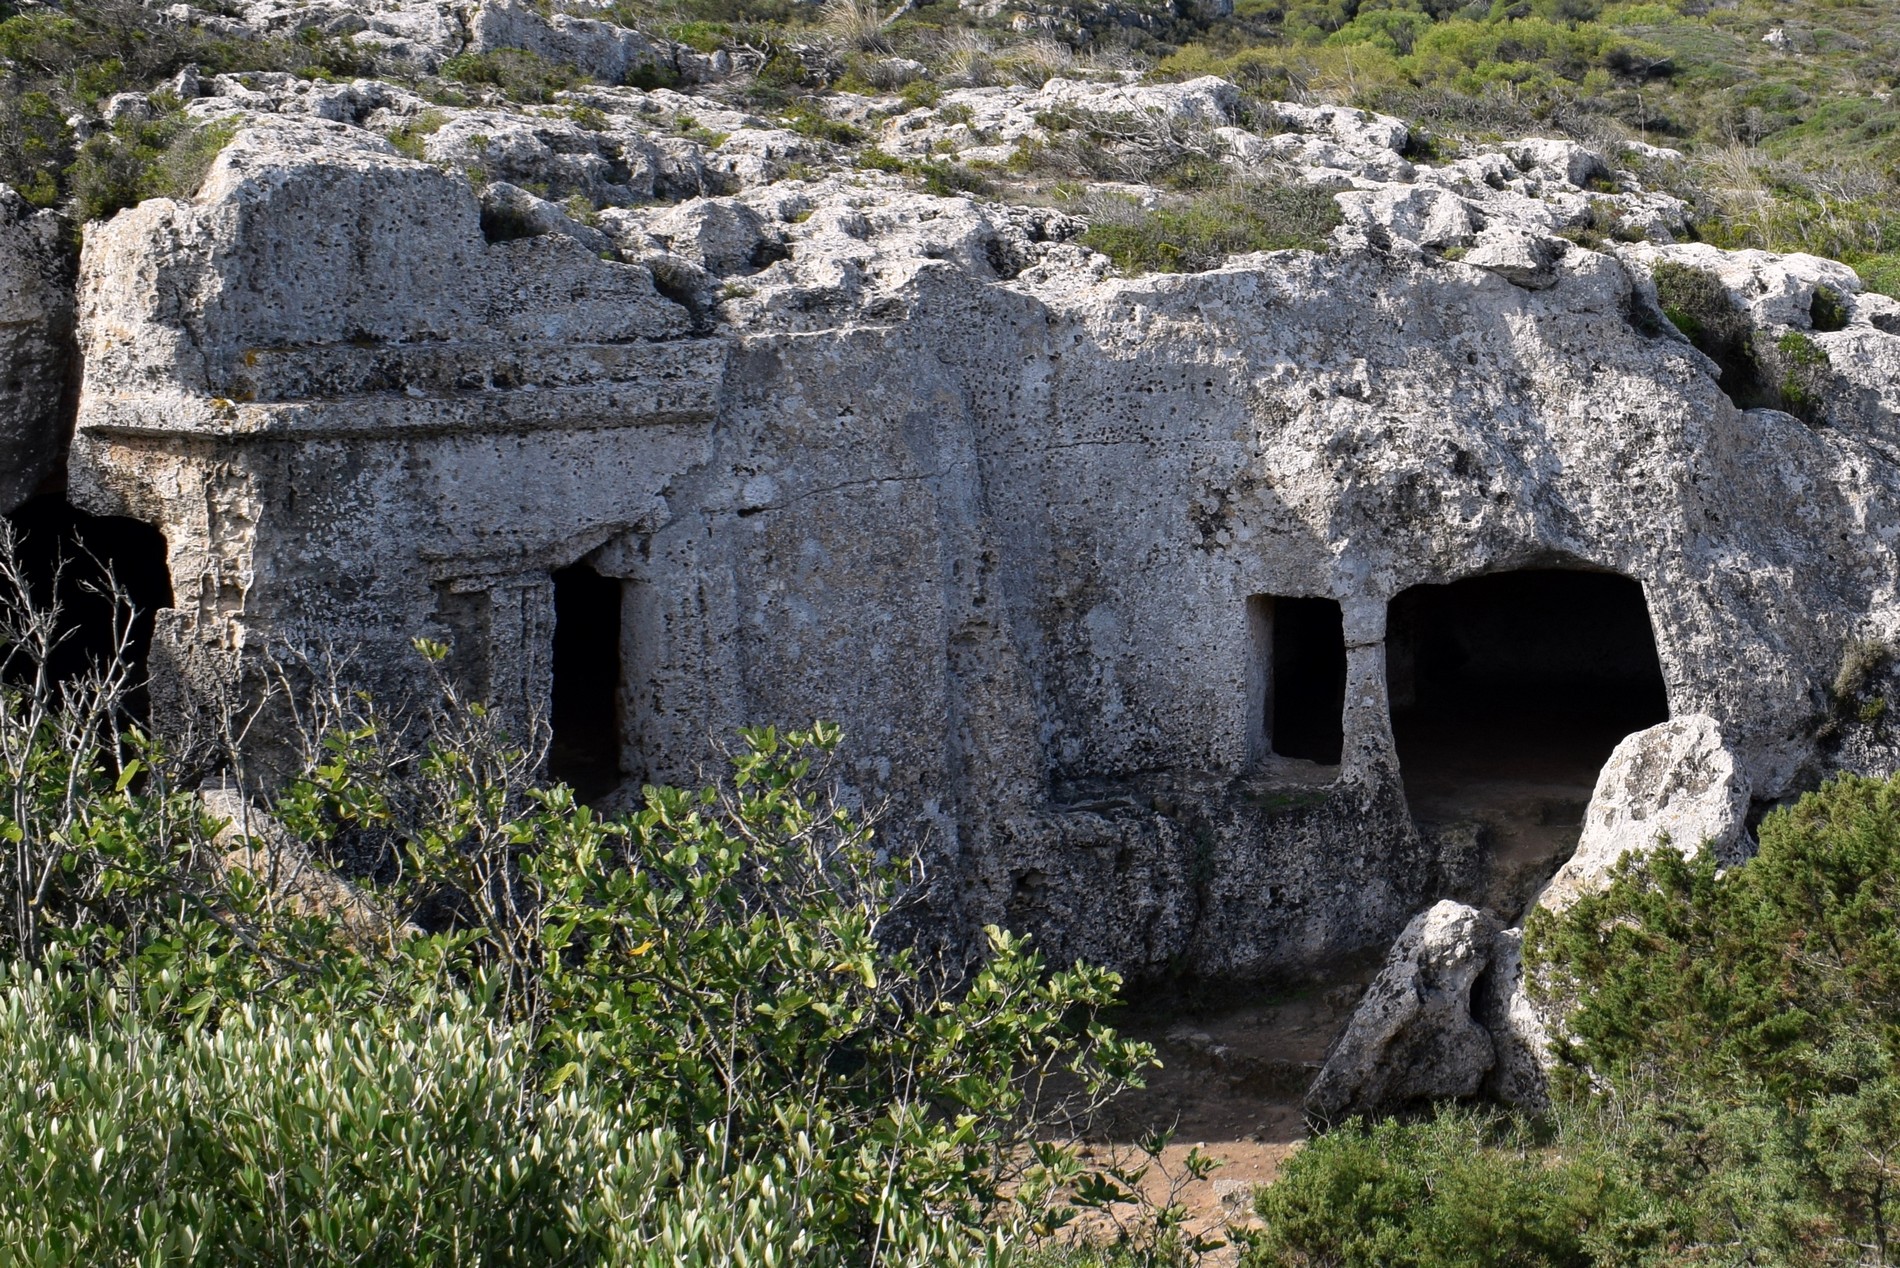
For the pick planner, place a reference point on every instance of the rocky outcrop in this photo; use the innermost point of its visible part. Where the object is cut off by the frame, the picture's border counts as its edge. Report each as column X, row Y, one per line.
column 423, row 34
column 1413, row 1038
column 1676, row 785
column 36, row 347
column 248, row 840
column 1453, row 975
column 928, row 466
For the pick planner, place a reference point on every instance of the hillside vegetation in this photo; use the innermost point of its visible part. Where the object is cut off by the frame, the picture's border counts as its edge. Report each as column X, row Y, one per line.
column 520, row 1031
column 1782, row 107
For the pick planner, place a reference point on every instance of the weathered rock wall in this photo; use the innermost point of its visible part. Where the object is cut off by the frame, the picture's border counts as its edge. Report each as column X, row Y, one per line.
column 998, row 513
column 36, row 347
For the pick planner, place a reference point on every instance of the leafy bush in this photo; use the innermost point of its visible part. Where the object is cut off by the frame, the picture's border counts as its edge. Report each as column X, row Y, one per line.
column 166, row 158
column 1697, row 303
column 706, row 37
column 938, row 176
column 694, row 1034
column 284, row 1136
column 1728, row 1089
column 808, row 120
column 411, row 137
column 1754, row 1010
column 1757, row 971
column 1791, row 373
column 730, row 958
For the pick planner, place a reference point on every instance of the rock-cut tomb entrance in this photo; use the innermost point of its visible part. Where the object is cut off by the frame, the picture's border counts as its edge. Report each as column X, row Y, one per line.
column 587, row 710
column 1509, row 691
column 109, row 578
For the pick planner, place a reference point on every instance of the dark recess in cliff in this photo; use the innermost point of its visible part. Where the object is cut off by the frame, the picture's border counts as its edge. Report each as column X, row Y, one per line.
column 1533, row 675
column 78, row 560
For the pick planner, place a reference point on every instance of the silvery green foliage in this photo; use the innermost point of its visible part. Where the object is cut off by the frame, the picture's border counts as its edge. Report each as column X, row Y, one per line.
column 287, row 1137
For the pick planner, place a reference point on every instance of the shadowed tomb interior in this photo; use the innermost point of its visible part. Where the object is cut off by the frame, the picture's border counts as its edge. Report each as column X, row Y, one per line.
column 1300, row 656
column 1509, row 692
column 584, row 750
column 80, row 560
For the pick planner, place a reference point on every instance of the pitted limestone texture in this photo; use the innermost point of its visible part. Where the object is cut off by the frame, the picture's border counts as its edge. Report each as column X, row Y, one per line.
column 927, row 466
column 36, row 348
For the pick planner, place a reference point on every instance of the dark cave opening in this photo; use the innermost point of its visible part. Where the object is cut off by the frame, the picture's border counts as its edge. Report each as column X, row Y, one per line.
column 1532, row 675
column 78, row 560
column 585, row 713
column 1303, row 644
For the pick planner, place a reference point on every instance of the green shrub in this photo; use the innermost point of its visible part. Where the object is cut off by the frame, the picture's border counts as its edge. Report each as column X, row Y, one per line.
column 1766, row 965
column 1747, row 1017
column 546, row 1035
column 1199, row 232
column 520, row 74
column 1728, row 1089
column 410, row 137
column 728, row 958
column 808, row 120
column 418, row 1136
column 1861, row 660
column 1804, row 382
column 1880, row 273
column 1462, row 1190
column 1697, row 303
column 167, row 158
column 36, row 145
column 707, row 37
column 943, row 177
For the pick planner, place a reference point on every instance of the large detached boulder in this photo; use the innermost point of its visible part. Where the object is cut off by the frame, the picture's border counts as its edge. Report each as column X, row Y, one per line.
column 1519, row 1035
column 1674, row 786
column 1448, row 1015
column 36, row 340
column 1413, row 1037
column 1676, row 783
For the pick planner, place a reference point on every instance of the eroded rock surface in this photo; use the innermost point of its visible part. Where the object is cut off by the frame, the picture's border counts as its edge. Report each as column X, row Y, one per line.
column 425, row 33
column 1674, row 785
column 1520, row 1034
column 1413, row 1037
column 928, row 466
column 36, row 347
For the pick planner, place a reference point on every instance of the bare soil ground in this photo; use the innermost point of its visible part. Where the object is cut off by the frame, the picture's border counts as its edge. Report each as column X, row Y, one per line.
column 1234, row 1071
column 1232, row 1077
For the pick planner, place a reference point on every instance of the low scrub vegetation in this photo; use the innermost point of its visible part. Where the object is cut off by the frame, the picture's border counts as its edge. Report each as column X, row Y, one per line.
column 517, row 1031
column 61, row 64
column 1192, row 232
column 518, row 73
column 1728, row 1089
column 1788, row 373
column 163, row 158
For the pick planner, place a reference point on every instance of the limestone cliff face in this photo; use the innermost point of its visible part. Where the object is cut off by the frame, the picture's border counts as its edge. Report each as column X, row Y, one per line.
column 36, row 335
column 923, row 466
